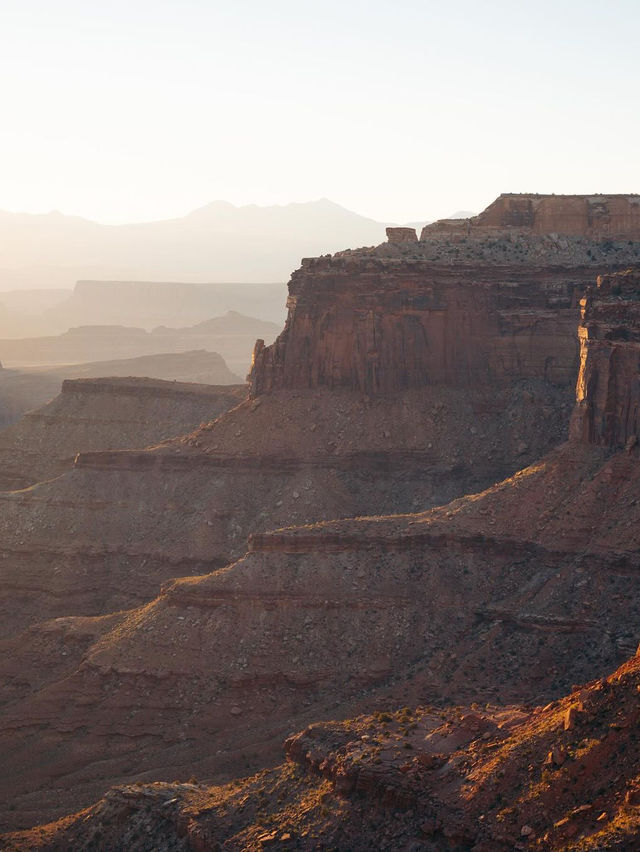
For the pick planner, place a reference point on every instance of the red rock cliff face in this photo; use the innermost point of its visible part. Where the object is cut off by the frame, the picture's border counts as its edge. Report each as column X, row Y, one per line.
column 607, row 409
column 380, row 326
column 594, row 216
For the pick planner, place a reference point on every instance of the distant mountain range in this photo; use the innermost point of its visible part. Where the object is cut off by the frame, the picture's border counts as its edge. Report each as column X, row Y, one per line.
column 218, row 242
column 232, row 335
column 146, row 304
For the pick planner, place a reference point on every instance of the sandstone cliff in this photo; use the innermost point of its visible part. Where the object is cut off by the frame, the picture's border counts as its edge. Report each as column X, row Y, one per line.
column 593, row 216
column 490, row 596
column 596, row 216
column 377, row 327
column 608, row 393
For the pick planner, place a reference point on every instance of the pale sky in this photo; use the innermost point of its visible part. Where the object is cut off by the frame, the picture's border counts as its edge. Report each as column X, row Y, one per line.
column 146, row 109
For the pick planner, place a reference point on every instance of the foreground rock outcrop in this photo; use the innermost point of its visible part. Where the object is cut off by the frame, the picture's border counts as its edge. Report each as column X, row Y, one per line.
column 488, row 778
column 105, row 414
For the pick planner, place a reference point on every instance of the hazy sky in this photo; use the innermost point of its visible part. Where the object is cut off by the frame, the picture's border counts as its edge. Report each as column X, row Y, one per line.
column 124, row 111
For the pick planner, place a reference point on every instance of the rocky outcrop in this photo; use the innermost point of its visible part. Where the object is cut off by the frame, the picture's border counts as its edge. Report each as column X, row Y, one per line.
column 104, row 414
column 475, row 302
column 593, row 216
column 607, row 412
column 402, row 235
column 487, row 778
column 377, row 327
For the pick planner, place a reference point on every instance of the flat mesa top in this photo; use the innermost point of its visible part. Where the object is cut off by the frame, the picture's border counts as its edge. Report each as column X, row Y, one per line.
column 138, row 384
column 596, row 217
column 593, row 196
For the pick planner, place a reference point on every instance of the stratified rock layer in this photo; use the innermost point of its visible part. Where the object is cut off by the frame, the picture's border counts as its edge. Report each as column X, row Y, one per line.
column 608, row 393
column 379, row 326
column 593, row 216
column 488, row 778
column 105, row 414
column 25, row 390
column 491, row 596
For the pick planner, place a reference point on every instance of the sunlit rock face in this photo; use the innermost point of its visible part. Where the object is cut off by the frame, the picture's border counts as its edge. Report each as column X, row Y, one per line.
column 378, row 326
column 594, row 216
column 608, row 390
column 480, row 301
column 400, row 382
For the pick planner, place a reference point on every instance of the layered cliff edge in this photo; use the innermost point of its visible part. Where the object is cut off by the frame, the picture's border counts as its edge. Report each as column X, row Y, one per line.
column 498, row 596
column 393, row 387
column 509, row 595
column 597, row 216
column 105, row 414
column 22, row 391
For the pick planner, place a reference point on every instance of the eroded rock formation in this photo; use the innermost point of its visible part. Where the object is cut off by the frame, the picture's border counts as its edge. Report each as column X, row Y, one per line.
column 608, row 393
column 487, row 778
column 513, row 594
column 509, row 594
column 402, row 235
column 379, row 327
column 105, row 414
column 593, row 216
column 25, row 390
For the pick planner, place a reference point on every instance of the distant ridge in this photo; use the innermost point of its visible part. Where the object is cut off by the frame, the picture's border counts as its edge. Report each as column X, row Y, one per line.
column 217, row 242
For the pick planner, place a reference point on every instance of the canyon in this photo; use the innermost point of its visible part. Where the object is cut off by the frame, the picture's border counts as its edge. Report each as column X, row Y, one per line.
column 399, row 384
column 475, row 398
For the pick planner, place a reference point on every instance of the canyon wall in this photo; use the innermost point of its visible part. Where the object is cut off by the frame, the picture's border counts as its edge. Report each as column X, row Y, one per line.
column 608, row 391
column 398, row 384
column 378, row 326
